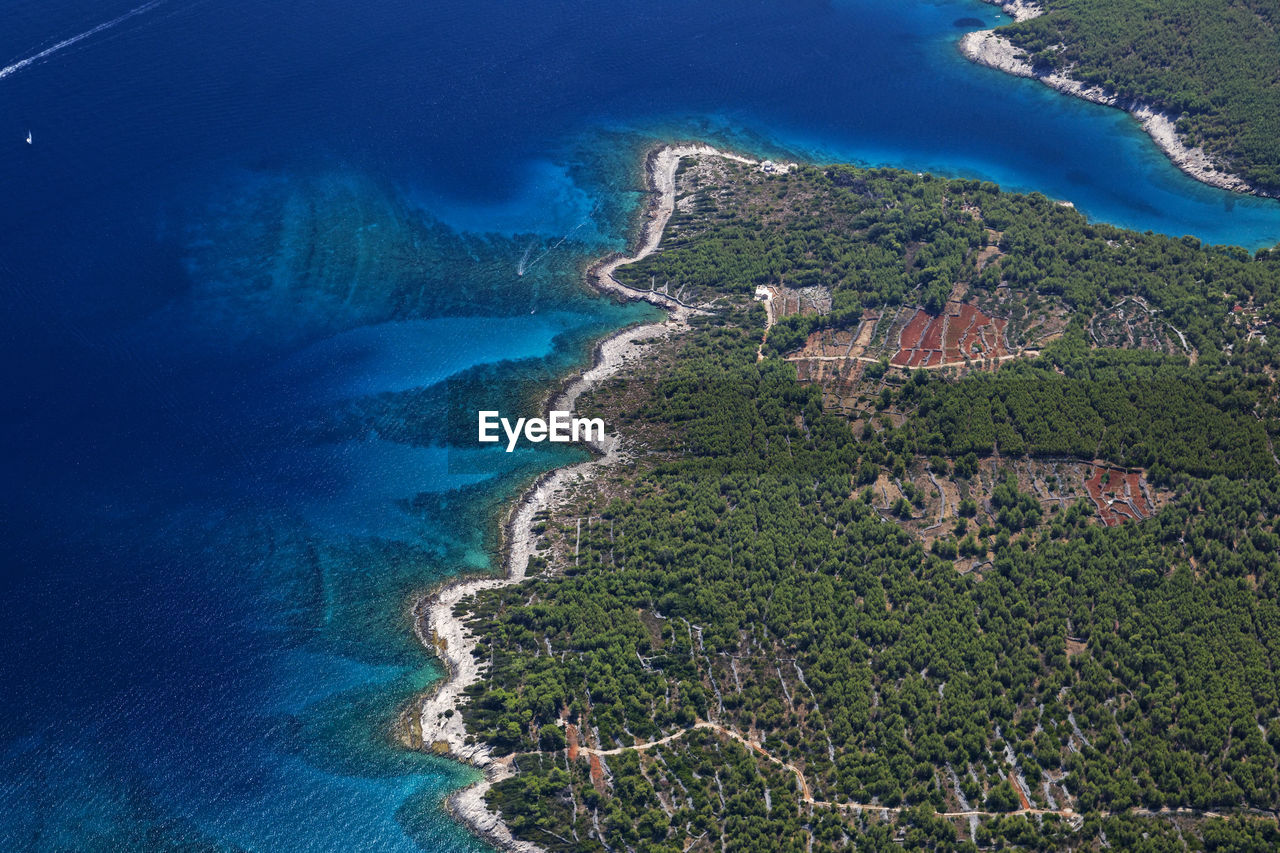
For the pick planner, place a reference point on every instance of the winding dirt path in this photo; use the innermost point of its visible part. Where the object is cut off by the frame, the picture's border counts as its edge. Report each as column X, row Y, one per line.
column 975, row 362
column 807, row 797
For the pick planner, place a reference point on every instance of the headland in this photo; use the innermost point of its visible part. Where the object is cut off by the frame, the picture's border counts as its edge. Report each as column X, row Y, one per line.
column 990, row 48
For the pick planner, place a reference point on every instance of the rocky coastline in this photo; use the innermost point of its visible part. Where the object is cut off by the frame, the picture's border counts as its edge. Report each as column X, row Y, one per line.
column 990, row 48
column 436, row 725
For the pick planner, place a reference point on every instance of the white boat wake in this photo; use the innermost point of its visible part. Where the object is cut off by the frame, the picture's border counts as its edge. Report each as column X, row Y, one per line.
column 65, row 43
column 525, row 267
column 524, row 261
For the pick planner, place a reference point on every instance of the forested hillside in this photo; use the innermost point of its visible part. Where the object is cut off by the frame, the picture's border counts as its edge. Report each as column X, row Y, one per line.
column 884, row 237
column 736, row 642
column 1149, row 412
column 1212, row 64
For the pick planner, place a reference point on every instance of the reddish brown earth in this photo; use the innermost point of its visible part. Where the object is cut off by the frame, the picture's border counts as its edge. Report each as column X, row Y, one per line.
column 1120, row 499
column 1134, row 481
column 909, row 339
column 597, row 772
column 571, row 735
column 1093, row 486
column 933, row 334
column 958, row 325
column 949, row 338
column 997, row 339
column 1013, row 780
column 972, row 335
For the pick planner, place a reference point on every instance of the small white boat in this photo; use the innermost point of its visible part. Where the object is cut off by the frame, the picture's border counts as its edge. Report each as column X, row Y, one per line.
column 28, row 137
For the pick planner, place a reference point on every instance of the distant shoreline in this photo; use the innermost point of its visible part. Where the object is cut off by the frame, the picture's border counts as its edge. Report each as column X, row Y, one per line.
column 989, row 48
column 438, row 726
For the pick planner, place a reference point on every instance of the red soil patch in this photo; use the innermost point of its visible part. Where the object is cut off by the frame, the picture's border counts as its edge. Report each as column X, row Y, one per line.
column 933, row 334
column 1013, row 780
column 972, row 336
column 1134, row 482
column 1093, row 486
column 957, row 324
column 1120, row 499
column 949, row 338
column 571, row 735
column 914, row 330
column 597, row 773
column 1123, row 513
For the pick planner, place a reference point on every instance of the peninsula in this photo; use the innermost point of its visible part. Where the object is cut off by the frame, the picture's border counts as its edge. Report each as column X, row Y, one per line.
column 1195, row 77
column 914, row 530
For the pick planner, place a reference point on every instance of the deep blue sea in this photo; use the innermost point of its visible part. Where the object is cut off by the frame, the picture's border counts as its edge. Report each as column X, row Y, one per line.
column 259, row 269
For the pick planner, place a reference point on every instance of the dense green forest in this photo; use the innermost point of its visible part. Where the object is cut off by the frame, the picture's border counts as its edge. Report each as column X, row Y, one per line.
column 1212, row 64
column 826, row 680
column 1128, row 407
column 885, row 237
column 753, row 542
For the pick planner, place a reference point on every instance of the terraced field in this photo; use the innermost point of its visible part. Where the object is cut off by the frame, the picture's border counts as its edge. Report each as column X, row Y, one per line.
column 961, row 334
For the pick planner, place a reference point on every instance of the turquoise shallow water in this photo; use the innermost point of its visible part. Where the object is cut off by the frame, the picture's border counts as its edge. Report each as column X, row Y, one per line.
column 262, row 264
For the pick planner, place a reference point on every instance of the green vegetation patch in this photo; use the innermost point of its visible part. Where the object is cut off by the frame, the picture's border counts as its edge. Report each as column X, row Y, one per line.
column 884, row 237
column 1213, row 63
column 1131, row 408
column 740, row 571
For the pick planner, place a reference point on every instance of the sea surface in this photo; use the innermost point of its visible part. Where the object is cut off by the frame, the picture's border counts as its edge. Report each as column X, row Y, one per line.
column 260, row 265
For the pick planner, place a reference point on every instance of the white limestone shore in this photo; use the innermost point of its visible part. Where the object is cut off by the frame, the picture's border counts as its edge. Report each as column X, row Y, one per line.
column 661, row 166
column 986, row 47
column 440, row 719
column 1019, row 10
